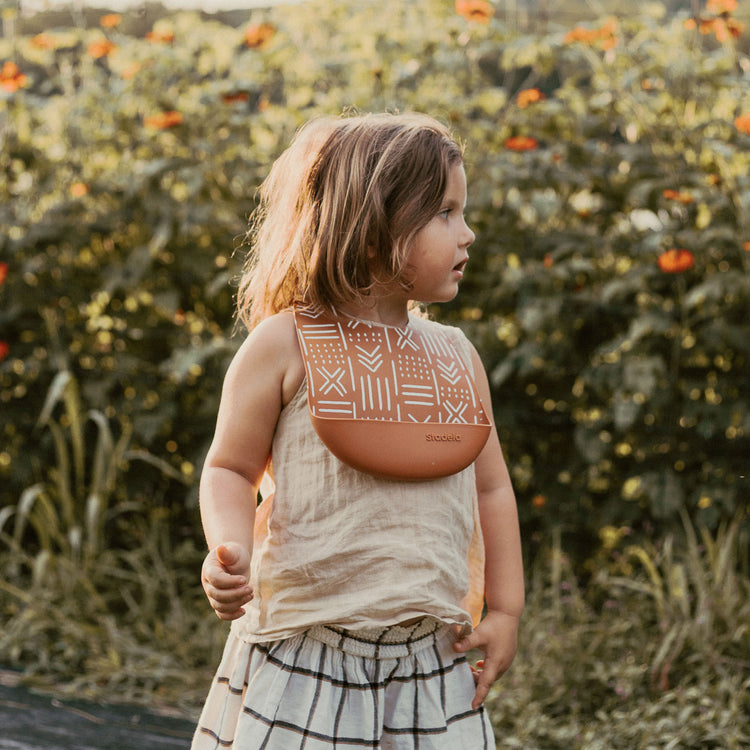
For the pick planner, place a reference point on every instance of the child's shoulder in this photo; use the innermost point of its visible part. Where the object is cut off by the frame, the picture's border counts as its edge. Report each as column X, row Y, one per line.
column 273, row 346
column 273, row 340
column 281, row 324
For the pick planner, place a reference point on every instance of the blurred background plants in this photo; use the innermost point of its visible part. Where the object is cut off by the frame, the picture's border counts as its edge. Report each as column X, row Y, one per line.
column 608, row 295
column 651, row 654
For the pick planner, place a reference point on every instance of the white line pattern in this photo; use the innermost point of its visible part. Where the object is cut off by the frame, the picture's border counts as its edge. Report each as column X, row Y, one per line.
column 381, row 372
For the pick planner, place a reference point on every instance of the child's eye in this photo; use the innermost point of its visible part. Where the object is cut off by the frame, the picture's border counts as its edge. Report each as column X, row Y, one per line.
column 444, row 213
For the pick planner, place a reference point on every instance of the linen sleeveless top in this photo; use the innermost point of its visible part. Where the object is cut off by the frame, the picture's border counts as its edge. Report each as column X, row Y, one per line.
column 335, row 546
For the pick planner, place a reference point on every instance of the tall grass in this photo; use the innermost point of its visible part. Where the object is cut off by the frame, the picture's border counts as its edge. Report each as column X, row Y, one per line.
column 69, row 507
column 95, row 592
column 653, row 653
column 698, row 598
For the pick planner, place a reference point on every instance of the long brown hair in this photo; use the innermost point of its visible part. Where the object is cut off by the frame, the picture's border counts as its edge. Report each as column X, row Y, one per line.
column 340, row 208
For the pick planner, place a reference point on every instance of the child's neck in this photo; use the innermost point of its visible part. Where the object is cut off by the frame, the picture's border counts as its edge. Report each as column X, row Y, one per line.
column 384, row 310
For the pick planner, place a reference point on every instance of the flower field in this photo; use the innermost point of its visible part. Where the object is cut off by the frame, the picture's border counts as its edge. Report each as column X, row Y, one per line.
column 608, row 293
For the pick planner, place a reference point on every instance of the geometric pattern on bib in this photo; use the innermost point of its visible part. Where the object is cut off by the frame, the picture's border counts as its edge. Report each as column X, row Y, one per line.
column 362, row 370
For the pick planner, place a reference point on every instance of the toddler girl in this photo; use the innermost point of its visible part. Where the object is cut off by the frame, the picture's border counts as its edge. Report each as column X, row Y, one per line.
column 357, row 586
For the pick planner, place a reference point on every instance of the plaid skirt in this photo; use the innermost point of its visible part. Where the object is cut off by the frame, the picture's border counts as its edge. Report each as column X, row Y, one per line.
column 397, row 688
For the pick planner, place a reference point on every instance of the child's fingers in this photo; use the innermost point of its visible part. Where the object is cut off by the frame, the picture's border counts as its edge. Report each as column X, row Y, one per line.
column 224, row 587
column 227, row 554
column 232, row 557
column 476, row 670
column 216, row 574
column 221, row 580
column 483, row 689
column 229, row 605
column 488, row 671
column 226, row 591
column 228, row 596
column 486, row 675
column 469, row 642
column 229, row 615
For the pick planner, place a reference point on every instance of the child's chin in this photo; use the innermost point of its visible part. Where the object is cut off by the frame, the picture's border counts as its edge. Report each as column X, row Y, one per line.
column 444, row 295
column 449, row 295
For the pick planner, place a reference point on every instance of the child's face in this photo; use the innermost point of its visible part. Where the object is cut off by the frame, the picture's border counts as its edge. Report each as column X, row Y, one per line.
column 440, row 250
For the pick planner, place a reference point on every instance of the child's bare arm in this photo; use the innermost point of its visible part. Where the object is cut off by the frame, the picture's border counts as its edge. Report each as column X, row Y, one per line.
column 254, row 391
column 496, row 635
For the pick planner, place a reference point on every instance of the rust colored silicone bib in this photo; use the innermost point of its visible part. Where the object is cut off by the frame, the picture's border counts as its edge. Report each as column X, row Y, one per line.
column 398, row 403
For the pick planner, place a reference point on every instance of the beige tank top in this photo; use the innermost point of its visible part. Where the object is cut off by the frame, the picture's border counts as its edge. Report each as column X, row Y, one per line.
column 335, row 546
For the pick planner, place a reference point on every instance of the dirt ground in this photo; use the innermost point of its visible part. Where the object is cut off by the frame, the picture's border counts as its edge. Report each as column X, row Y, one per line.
column 35, row 721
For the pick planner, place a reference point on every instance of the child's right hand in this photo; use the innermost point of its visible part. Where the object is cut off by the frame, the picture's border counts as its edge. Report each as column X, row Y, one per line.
column 225, row 580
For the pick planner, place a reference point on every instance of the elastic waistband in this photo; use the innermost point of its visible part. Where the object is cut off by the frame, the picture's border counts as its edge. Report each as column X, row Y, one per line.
column 390, row 642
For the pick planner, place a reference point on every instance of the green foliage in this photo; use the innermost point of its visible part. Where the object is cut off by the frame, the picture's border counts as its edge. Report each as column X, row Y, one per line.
column 697, row 597
column 92, row 584
column 621, row 391
column 130, row 626
column 652, row 654
column 72, row 512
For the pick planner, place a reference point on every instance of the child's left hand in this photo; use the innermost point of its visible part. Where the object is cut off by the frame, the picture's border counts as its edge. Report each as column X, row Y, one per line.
column 497, row 637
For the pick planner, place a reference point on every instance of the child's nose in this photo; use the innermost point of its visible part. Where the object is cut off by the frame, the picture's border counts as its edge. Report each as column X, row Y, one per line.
column 468, row 235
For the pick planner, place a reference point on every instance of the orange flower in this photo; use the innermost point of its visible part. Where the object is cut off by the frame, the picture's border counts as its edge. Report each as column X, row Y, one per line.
column 721, row 6
column 161, row 35
column 746, row 246
column 101, row 48
column 235, row 96
column 163, row 120
column 259, row 35
column 604, row 36
column 539, row 501
column 479, row 11
column 110, row 21
column 676, row 195
column 722, row 28
column 676, row 260
column 3, row 273
column 529, row 96
column 521, row 143
column 4, row 349
column 579, row 34
column 736, row 28
column 79, row 189
column 43, row 41
column 11, row 77
column 742, row 123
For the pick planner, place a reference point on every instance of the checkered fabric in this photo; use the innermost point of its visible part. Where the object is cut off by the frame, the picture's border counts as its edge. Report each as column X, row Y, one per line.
column 395, row 689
